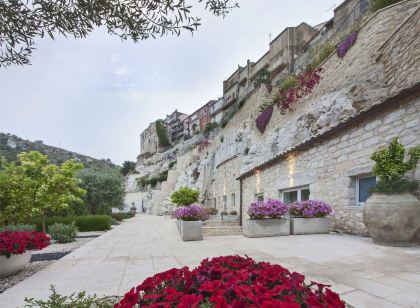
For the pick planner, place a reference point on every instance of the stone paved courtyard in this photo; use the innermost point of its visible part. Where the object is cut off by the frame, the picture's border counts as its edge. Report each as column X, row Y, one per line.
column 366, row 275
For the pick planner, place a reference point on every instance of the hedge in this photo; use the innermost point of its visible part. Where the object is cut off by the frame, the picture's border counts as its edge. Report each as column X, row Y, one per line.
column 121, row 216
column 83, row 223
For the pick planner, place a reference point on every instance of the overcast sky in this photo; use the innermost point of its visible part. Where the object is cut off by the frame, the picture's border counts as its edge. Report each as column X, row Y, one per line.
column 94, row 96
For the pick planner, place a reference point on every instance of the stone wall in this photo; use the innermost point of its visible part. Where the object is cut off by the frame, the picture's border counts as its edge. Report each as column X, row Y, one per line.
column 330, row 167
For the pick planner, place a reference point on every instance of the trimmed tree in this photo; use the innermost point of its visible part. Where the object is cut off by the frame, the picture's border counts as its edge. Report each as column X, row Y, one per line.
column 33, row 187
column 185, row 196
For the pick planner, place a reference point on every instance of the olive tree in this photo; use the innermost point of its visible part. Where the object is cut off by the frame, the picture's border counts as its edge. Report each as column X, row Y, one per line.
column 22, row 22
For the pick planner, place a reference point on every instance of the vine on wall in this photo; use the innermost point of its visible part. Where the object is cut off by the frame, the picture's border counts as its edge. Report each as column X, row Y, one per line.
column 162, row 134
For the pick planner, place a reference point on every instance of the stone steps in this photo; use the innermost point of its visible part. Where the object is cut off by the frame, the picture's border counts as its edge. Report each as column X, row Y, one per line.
column 219, row 231
column 218, row 228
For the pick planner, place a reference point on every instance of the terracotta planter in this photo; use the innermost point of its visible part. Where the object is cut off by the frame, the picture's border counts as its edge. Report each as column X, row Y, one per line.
column 12, row 265
column 316, row 225
column 392, row 219
column 266, row 227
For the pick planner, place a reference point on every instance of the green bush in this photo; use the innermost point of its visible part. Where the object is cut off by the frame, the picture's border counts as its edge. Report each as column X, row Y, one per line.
column 185, row 196
column 83, row 223
column 63, row 233
column 321, row 53
column 122, row 216
column 172, row 163
column 376, row 5
column 153, row 181
column 18, row 227
column 162, row 134
column 224, row 213
column 390, row 168
column 79, row 300
column 233, row 213
column 212, row 210
column 163, row 176
column 115, row 222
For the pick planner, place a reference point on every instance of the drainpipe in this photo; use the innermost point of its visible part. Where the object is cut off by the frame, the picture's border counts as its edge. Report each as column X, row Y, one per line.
column 240, row 201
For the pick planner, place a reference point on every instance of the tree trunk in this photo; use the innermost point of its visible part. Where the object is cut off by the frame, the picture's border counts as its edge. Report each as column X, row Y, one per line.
column 44, row 227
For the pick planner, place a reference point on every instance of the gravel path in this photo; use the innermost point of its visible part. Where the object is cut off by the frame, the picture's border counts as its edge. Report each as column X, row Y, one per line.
column 42, row 258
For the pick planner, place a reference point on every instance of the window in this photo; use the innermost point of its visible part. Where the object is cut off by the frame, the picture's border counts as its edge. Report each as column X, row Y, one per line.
column 259, row 197
column 233, row 201
column 295, row 194
column 224, row 202
column 363, row 186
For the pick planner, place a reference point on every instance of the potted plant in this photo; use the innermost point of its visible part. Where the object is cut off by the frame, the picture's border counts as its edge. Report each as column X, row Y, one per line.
column 392, row 212
column 212, row 211
column 232, row 216
column 309, row 217
column 266, row 219
column 190, row 222
column 15, row 249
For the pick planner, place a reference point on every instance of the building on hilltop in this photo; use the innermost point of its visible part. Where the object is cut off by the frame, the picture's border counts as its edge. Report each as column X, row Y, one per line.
column 174, row 121
column 216, row 109
column 197, row 121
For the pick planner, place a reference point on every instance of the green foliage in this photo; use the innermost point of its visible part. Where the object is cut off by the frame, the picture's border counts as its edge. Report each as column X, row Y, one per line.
column 153, row 181
column 23, row 24
column 185, row 196
column 172, row 163
column 79, row 300
column 162, row 134
column 376, row 5
column 83, row 223
column 142, row 181
column 263, row 77
column 122, row 216
column 63, row 233
column 390, row 167
column 34, row 188
column 18, row 227
column 320, row 53
column 212, row 210
column 104, row 190
column 224, row 213
column 288, row 82
column 395, row 186
column 233, row 213
column 163, row 176
column 128, row 167
column 209, row 128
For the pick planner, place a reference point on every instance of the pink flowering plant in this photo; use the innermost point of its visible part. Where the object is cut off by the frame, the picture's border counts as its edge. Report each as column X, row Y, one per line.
column 193, row 212
column 309, row 209
column 345, row 45
column 271, row 208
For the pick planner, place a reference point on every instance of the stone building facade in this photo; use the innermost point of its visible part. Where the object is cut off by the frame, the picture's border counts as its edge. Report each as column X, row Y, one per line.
column 320, row 148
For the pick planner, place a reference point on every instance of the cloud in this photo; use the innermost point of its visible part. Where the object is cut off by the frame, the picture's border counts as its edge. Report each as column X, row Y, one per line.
column 115, row 58
column 123, row 71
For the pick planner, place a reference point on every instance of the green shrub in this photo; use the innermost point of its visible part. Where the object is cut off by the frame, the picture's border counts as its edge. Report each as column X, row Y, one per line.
column 79, row 300
column 83, row 223
column 163, row 176
column 153, row 181
column 18, row 227
column 224, row 213
column 63, row 233
column 185, row 196
column 376, row 5
column 162, row 134
column 233, row 213
column 390, row 168
column 115, row 222
column 209, row 128
column 288, row 82
column 321, row 53
column 122, row 216
column 212, row 210
column 172, row 163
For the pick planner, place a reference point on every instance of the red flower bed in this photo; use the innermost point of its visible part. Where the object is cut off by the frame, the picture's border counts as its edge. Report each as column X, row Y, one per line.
column 16, row 243
column 231, row 281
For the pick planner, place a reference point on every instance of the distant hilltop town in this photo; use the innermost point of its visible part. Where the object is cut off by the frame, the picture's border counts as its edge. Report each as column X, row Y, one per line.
column 288, row 53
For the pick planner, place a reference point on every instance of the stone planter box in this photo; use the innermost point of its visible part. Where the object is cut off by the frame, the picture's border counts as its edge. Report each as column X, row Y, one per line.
column 316, row 225
column 12, row 265
column 266, row 227
column 214, row 218
column 230, row 218
column 191, row 230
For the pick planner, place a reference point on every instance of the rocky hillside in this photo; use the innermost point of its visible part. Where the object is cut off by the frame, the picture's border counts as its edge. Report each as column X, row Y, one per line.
column 11, row 145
